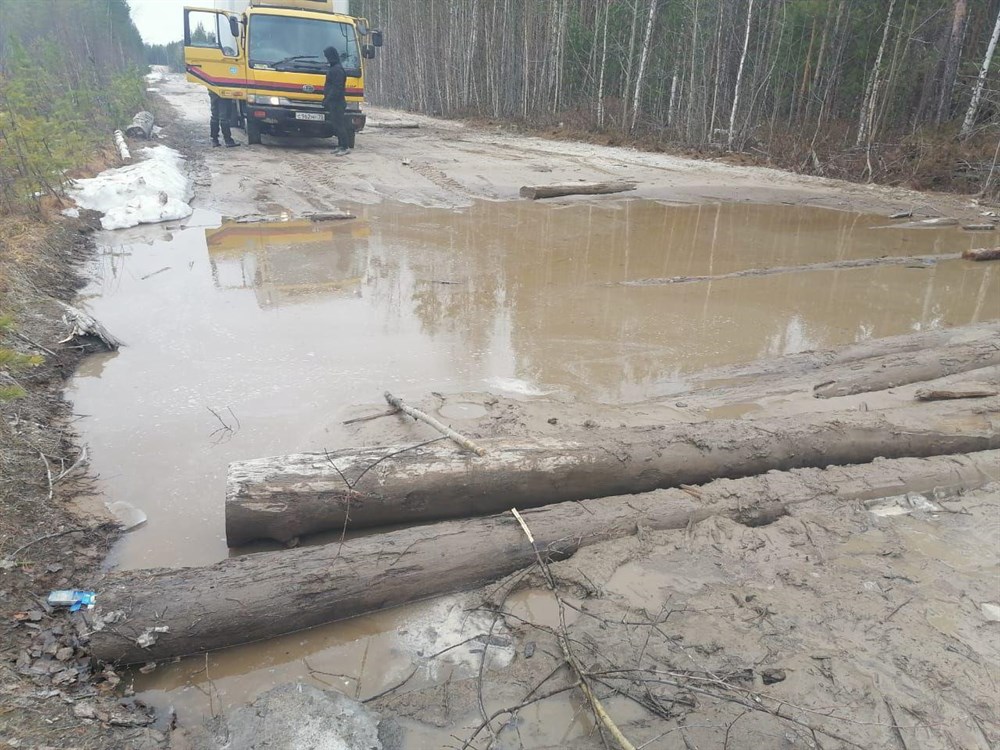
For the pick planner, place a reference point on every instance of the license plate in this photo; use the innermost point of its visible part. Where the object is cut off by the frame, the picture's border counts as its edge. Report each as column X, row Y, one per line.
column 309, row 116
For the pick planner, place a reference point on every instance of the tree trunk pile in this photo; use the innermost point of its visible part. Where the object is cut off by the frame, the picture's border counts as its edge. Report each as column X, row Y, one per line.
column 574, row 490
column 144, row 615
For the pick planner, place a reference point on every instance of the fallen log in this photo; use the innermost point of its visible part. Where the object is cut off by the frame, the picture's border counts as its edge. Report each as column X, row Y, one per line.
column 538, row 192
column 982, row 253
column 252, row 597
column 916, row 368
column 122, row 147
column 285, row 497
column 910, row 261
column 142, row 125
column 83, row 325
column 962, row 390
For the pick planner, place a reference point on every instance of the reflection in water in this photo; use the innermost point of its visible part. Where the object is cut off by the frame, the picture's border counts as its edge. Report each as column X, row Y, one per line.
column 286, row 262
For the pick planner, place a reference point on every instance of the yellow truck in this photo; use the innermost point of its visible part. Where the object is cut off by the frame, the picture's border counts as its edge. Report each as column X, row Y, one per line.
column 267, row 56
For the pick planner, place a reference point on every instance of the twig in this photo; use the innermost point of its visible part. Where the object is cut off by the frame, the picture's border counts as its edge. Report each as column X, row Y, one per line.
column 225, row 428
column 514, row 709
column 32, row 343
column 149, row 275
column 395, row 687
column 370, row 417
column 895, row 724
column 444, row 429
column 595, row 703
column 48, row 473
column 889, row 617
column 390, row 455
column 66, row 472
column 23, row 547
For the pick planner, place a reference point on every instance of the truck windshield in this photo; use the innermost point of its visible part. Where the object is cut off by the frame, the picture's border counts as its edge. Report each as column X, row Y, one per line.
column 284, row 43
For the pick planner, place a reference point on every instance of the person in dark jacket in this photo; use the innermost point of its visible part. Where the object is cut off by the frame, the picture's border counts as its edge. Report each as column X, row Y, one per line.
column 334, row 101
column 221, row 115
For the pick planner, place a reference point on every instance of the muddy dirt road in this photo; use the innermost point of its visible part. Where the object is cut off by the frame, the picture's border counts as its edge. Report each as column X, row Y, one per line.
column 250, row 338
column 446, row 164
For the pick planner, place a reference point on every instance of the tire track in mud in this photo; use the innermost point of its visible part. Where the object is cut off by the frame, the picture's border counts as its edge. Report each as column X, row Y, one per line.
column 441, row 180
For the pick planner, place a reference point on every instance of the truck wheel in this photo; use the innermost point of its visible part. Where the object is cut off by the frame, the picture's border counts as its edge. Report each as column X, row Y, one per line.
column 253, row 132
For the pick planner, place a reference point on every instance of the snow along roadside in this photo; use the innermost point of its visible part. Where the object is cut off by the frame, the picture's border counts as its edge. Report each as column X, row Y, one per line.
column 153, row 190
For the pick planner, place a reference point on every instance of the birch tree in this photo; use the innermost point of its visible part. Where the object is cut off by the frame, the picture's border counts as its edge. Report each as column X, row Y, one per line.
column 977, row 92
column 739, row 78
column 871, row 91
column 643, row 58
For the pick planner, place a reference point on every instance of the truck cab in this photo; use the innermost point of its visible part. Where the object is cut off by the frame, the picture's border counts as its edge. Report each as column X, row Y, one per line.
column 267, row 56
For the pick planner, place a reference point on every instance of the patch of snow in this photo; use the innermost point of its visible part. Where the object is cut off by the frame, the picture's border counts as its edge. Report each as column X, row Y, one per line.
column 452, row 632
column 154, row 190
column 73, row 213
column 900, row 505
column 991, row 611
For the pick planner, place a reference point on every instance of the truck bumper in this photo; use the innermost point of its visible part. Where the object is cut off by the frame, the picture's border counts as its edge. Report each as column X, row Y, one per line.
column 278, row 120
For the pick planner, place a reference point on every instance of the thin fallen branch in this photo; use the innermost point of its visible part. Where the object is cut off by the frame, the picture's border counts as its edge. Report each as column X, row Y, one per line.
column 912, row 261
column 23, row 547
column 370, row 417
column 444, row 429
column 26, row 340
column 395, row 687
column 563, row 640
column 66, row 472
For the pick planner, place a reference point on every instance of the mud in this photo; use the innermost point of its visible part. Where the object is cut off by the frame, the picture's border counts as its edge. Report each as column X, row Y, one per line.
column 260, row 338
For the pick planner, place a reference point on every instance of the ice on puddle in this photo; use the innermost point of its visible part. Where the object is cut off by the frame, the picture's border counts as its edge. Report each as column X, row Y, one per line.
column 453, row 626
column 516, row 385
column 900, row 505
column 154, row 190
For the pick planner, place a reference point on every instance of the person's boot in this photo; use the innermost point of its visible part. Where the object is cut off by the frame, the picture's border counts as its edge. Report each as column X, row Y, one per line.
column 215, row 142
column 230, row 143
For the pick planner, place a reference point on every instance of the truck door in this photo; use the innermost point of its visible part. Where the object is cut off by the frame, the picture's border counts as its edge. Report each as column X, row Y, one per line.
column 214, row 51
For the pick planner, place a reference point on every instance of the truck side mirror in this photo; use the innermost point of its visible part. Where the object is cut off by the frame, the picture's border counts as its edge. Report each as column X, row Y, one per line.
column 234, row 26
column 362, row 26
column 376, row 38
column 368, row 51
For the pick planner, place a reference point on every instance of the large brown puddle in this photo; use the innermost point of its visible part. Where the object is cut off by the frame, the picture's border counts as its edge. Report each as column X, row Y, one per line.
column 253, row 339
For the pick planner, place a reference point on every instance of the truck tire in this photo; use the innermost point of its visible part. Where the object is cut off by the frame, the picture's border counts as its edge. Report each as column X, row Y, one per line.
column 253, row 132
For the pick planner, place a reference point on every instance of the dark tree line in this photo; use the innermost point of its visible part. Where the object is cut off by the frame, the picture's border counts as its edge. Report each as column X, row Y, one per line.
column 829, row 86
column 70, row 72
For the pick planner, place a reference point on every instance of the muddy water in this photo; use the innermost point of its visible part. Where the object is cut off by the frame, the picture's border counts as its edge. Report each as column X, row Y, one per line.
column 252, row 339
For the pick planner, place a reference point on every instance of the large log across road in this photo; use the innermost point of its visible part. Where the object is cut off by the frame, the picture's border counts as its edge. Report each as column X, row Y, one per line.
column 537, row 192
column 284, row 497
column 248, row 598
